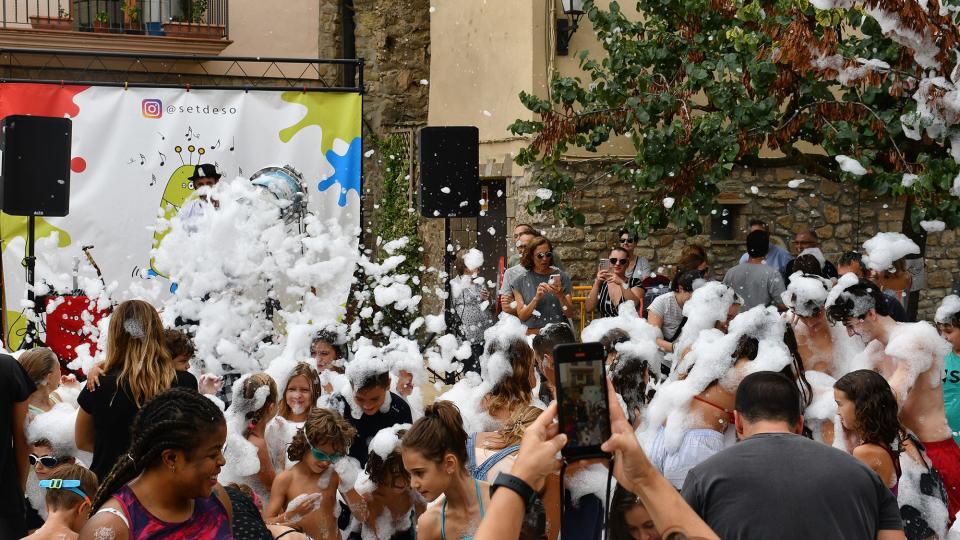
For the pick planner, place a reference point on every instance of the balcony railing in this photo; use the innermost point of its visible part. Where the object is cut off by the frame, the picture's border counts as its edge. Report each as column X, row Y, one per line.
column 174, row 18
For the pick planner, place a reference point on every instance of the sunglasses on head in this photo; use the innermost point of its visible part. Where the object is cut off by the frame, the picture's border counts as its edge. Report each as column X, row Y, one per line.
column 69, row 485
column 614, row 260
column 47, row 461
column 545, row 255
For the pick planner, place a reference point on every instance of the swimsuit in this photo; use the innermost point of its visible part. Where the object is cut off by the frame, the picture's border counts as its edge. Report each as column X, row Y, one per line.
column 443, row 512
column 209, row 520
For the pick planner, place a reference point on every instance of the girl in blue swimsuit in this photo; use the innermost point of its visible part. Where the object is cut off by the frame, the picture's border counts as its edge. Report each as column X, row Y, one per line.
column 435, row 454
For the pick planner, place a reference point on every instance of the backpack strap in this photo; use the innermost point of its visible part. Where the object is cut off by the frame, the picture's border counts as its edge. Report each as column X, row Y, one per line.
column 472, row 454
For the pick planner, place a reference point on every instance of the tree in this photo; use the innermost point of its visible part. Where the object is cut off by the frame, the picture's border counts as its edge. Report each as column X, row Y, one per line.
column 702, row 86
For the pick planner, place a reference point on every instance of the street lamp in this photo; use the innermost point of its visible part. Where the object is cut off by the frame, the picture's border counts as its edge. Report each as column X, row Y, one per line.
column 567, row 26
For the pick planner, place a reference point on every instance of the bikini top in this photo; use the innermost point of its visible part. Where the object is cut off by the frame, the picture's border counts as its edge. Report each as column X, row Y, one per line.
column 443, row 512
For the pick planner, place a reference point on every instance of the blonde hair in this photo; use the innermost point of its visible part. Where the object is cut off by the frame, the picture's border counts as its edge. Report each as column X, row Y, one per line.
column 512, row 432
column 136, row 349
column 250, row 386
column 38, row 363
column 306, row 371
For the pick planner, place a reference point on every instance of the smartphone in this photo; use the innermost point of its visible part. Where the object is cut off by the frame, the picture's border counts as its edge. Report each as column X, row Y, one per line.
column 583, row 411
column 554, row 280
column 604, row 264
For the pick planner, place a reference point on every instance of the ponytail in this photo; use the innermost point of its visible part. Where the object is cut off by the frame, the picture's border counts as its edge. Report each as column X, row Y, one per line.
column 438, row 432
column 250, row 386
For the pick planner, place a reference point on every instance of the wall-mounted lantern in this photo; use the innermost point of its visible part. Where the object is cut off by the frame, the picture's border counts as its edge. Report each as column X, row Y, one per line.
column 568, row 24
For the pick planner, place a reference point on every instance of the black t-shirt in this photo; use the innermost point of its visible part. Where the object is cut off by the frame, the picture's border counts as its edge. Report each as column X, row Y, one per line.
column 780, row 485
column 15, row 387
column 368, row 425
column 247, row 522
column 113, row 411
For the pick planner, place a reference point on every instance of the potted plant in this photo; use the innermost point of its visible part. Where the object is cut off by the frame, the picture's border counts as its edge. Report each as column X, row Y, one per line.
column 63, row 21
column 131, row 18
column 101, row 23
column 194, row 25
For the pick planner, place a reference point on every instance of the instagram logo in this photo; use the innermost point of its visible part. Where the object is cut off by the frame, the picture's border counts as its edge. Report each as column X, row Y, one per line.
column 152, row 108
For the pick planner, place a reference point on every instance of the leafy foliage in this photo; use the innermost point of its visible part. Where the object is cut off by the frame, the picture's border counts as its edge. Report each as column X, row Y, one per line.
column 700, row 87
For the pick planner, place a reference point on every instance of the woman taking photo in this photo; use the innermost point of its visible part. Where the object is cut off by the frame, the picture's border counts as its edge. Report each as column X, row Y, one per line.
column 137, row 368
column 543, row 294
column 612, row 287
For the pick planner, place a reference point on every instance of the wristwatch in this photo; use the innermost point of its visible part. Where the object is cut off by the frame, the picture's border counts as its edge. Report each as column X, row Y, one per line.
column 516, row 485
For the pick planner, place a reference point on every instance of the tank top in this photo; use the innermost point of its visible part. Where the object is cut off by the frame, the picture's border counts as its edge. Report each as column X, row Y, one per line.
column 208, row 522
column 443, row 514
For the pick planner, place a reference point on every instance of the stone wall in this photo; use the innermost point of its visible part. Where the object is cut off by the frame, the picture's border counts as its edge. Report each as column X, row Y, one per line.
column 843, row 217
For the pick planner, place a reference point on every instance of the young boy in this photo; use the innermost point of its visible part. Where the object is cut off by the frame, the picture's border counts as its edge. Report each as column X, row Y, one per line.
column 370, row 395
column 910, row 356
column 68, row 491
column 948, row 324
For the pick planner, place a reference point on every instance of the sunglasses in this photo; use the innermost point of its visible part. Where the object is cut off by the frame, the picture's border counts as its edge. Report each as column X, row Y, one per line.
column 627, row 241
column 47, row 461
column 69, row 485
column 545, row 255
column 614, row 260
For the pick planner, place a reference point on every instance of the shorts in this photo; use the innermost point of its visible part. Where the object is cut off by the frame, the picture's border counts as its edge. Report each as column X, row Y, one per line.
column 697, row 446
column 945, row 457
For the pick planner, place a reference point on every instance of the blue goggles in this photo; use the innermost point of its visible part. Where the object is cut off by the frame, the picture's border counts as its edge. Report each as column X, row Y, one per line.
column 69, row 485
column 318, row 454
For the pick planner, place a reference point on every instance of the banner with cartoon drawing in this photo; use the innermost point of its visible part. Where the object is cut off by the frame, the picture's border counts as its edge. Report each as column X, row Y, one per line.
column 134, row 149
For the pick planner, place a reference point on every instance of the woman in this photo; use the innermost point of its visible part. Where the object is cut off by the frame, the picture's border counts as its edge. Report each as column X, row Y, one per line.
column 638, row 267
column 543, row 293
column 666, row 311
column 137, row 368
column 165, row 486
column 514, row 390
column 472, row 308
column 629, row 519
column 492, row 452
column 868, row 413
column 43, row 368
column 612, row 286
column 435, row 455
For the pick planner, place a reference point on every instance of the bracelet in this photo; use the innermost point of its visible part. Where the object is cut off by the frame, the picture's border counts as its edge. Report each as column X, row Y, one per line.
column 518, row 486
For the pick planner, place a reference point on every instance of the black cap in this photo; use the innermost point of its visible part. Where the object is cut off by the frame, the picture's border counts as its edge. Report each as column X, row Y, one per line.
column 205, row 170
column 758, row 243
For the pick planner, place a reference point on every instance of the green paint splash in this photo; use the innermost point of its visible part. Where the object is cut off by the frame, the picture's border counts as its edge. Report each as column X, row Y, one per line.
column 337, row 115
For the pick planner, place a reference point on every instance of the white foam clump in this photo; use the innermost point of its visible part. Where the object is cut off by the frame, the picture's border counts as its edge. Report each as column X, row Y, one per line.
column 850, row 165
column 387, row 440
column 822, row 407
column 909, row 179
column 544, row 193
column 668, row 202
column 473, row 259
column 806, row 294
column 240, row 454
column 949, row 307
column 709, row 304
column 711, row 356
column 845, row 282
column 919, row 347
column 57, row 426
column 591, row 480
column 909, row 493
column 932, row 226
column 348, row 469
column 795, row 183
column 883, row 249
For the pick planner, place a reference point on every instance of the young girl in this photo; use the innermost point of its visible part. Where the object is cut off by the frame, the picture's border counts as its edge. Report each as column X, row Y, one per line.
column 254, row 427
column 868, row 412
column 435, row 455
column 318, row 445
column 299, row 397
column 43, row 368
column 390, row 510
column 629, row 519
column 166, row 483
column 67, row 498
column 515, row 390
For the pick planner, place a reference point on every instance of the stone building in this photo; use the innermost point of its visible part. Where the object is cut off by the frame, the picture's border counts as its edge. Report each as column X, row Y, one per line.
column 499, row 48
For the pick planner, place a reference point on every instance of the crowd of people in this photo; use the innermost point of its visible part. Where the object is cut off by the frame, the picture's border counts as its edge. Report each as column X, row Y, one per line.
column 789, row 400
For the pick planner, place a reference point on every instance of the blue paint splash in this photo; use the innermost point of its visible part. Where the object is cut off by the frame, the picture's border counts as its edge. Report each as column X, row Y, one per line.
column 346, row 171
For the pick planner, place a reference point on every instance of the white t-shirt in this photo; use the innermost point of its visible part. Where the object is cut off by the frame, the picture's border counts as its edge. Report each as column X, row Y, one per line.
column 669, row 310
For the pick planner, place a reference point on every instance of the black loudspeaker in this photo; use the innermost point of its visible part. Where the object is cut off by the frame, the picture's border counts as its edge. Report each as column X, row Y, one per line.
column 450, row 171
column 35, row 178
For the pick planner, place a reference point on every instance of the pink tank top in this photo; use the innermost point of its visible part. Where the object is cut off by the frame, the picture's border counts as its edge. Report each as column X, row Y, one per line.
column 208, row 522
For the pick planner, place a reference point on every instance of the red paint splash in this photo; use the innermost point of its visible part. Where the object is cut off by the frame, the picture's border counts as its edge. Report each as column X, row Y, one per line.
column 78, row 164
column 39, row 99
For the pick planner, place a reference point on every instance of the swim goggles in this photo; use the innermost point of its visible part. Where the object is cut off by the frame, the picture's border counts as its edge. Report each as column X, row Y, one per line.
column 318, row 454
column 69, row 485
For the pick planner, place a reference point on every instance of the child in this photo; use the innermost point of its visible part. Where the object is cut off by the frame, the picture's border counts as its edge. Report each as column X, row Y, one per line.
column 391, row 508
column 868, row 413
column 67, row 496
column 318, row 445
column 255, row 422
column 299, row 397
column 373, row 407
column 948, row 324
column 165, row 486
column 435, row 454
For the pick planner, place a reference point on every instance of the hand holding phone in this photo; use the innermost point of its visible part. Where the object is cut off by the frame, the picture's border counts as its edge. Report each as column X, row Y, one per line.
column 584, row 413
column 555, row 281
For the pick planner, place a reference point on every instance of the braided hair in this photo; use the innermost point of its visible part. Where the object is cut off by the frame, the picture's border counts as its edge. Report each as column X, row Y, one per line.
column 170, row 421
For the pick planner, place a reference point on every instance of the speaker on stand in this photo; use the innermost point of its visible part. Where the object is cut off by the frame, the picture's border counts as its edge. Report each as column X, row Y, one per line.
column 34, row 181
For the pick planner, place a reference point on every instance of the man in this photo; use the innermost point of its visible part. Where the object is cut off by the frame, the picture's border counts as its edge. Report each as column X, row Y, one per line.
column 512, row 273
column 852, row 262
column 910, row 356
column 204, row 175
column 777, row 257
column 776, row 483
column 808, row 241
column 370, row 395
column 757, row 283
column 518, row 231
column 544, row 342
column 15, row 389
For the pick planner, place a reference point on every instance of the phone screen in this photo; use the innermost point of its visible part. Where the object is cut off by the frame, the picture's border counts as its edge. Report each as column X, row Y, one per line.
column 584, row 415
column 604, row 264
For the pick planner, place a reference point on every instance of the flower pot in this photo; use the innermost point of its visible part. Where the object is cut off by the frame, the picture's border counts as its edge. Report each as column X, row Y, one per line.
column 133, row 28
column 51, row 23
column 101, row 27
column 193, row 30
column 154, row 29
